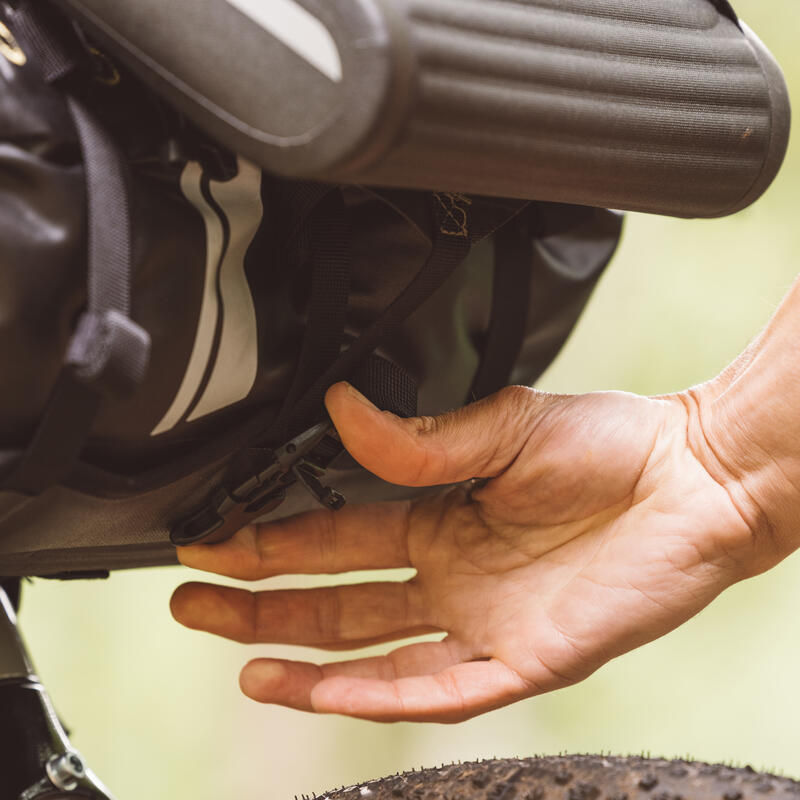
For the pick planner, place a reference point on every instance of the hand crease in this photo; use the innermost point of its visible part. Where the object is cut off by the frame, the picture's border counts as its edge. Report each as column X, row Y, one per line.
column 688, row 399
column 328, row 613
column 254, row 617
column 451, row 688
column 568, row 640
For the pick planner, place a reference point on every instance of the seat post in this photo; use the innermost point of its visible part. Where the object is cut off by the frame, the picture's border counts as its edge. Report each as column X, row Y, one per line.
column 36, row 757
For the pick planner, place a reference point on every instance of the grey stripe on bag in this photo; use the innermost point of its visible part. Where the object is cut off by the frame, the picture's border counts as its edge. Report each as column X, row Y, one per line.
column 236, row 361
column 237, row 355
column 191, row 186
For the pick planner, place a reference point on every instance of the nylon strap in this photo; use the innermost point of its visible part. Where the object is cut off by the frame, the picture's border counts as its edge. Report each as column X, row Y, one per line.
column 329, row 236
column 513, row 254
column 455, row 229
column 49, row 38
column 108, row 353
column 387, row 385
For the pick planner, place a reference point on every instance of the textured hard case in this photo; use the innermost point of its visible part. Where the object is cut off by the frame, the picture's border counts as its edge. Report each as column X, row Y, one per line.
column 665, row 106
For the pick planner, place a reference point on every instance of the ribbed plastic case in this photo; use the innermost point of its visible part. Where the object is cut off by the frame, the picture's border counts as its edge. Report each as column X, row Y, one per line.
column 665, row 106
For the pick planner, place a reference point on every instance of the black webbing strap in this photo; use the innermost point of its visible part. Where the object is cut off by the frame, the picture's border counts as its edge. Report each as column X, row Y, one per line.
column 297, row 201
column 49, row 39
column 328, row 234
column 109, row 226
column 249, row 489
column 108, row 353
column 387, row 385
column 510, row 300
column 453, row 234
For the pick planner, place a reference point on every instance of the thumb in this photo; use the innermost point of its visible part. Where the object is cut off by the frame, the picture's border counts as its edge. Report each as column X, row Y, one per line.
column 478, row 441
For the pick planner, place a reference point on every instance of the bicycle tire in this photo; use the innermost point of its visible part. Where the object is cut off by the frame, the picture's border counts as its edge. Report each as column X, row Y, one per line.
column 576, row 777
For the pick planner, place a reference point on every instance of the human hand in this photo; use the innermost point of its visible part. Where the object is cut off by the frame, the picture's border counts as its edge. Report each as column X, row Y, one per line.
column 607, row 522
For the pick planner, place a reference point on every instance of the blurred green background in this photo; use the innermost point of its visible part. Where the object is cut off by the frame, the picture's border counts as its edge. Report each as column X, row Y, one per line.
column 157, row 711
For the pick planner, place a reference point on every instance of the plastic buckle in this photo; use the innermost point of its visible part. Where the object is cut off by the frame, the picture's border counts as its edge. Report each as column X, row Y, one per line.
column 231, row 509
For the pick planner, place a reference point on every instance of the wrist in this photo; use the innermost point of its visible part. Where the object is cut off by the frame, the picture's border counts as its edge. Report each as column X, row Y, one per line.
column 745, row 427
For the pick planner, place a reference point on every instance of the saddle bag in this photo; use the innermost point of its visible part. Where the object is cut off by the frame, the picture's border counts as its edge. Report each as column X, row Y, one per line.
column 174, row 301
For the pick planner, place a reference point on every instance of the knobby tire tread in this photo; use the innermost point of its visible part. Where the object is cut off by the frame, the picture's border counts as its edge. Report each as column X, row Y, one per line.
column 576, row 777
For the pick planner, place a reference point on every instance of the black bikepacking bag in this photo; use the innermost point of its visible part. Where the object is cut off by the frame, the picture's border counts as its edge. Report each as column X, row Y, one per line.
column 171, row 315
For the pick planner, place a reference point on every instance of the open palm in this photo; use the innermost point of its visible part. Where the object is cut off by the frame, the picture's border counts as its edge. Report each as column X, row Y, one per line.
column 600, row 528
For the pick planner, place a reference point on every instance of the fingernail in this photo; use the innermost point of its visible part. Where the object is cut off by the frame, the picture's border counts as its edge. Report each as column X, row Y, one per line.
column 356, row 395
column 261, row 678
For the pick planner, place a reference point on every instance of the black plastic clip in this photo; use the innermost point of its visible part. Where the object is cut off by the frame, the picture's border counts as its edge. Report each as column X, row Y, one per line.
column 229, row 510
column 309, row 475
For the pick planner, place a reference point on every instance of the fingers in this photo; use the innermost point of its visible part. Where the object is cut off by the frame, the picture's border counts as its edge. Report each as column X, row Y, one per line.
column 334, row 617
column 318, row 542
column 480, row 440
column 453, row 693
column 290, row 683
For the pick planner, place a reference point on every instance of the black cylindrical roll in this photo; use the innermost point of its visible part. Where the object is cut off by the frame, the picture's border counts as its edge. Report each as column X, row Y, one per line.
column 652, row 106
column 666, row 106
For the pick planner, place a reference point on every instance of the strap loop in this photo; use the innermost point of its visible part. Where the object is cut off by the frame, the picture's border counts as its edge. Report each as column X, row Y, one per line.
column 109, row 351
column 50, row 39
column 513, row 258
column 387, row 385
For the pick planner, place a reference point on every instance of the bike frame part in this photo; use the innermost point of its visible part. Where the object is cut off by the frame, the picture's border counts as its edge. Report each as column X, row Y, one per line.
column 665, row 106
column 36, row 758
column 14, row 662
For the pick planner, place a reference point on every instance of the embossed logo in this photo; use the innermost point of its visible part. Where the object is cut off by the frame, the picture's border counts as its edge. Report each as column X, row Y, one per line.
column 455, row 216
column 105, row 71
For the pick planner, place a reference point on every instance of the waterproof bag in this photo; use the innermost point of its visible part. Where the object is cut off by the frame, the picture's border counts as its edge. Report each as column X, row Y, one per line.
column 666, row 106
column 181, row 282
column 171, row 314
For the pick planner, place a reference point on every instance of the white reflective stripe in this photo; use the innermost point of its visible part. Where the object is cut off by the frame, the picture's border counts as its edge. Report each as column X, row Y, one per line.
column 237, row 355
column 191, row 181
column 299, row 30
